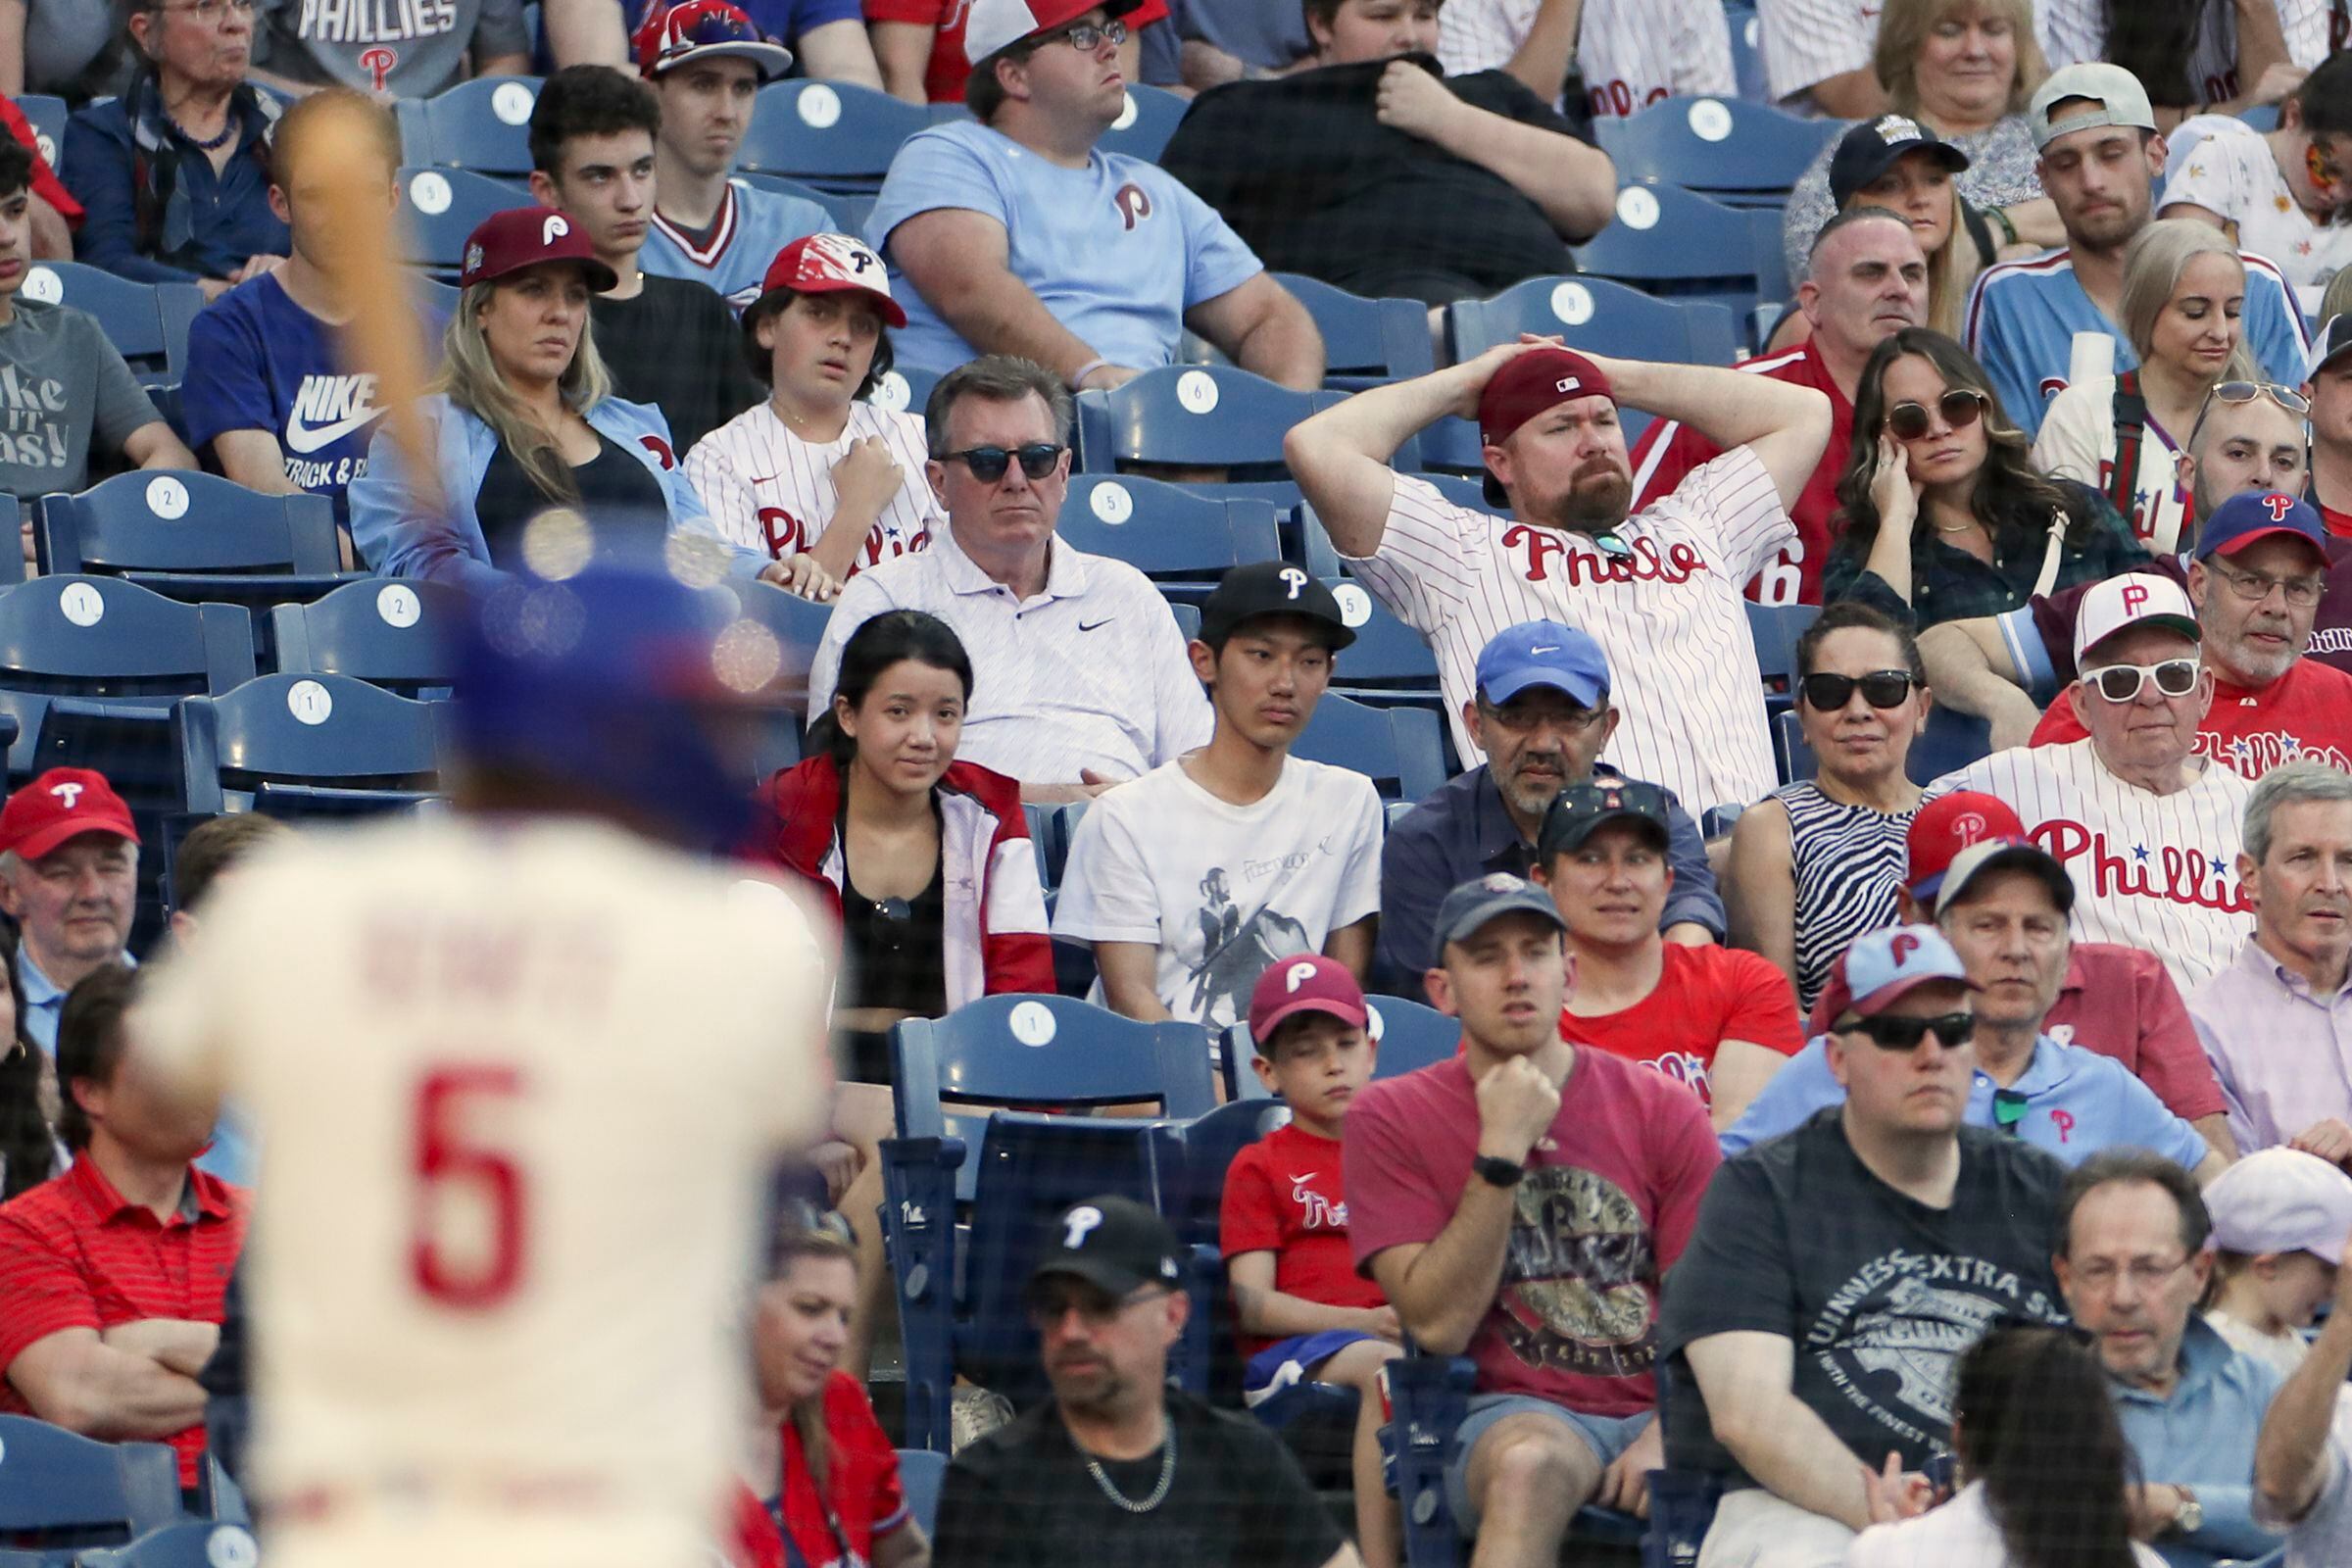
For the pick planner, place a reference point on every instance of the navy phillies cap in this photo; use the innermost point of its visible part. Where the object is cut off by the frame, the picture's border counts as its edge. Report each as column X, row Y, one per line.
column 2244, row 518
column 1868, row 151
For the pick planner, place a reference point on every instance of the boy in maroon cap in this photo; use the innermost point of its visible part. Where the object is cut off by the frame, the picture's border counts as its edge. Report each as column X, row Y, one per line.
column 68, row 877
column 1305, row 1314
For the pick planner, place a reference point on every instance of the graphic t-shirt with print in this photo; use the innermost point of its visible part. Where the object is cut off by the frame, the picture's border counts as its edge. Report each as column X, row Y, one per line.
column 1283, row 1196
column 60, row 382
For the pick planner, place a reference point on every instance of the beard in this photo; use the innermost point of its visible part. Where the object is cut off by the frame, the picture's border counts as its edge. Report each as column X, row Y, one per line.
column 2260, row 667
column 1598, row 497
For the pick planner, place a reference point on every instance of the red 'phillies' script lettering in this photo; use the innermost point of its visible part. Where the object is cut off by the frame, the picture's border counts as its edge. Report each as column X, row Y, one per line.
column 784, row 531
column 2171, row 874
column 1678, row 562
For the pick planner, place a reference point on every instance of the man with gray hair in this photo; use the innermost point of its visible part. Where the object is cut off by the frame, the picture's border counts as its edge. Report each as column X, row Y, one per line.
column 2277, row 1023
column 68, row 877
column 1080, row 678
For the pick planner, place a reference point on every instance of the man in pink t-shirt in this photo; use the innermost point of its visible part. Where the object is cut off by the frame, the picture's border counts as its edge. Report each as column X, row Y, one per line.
column 1519, row 1203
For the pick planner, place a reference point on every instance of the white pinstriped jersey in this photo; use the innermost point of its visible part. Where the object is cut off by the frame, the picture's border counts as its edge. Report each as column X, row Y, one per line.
column 751, row 227
column 1630, row 52
column 2075, row 30
column 767, row 489
column 1805, row 41
column 1669, row 618
column 2151, row 871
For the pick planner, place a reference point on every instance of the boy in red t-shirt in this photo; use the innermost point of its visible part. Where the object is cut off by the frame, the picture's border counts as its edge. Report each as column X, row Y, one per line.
column 1305, row 1314
column 1717, row 1019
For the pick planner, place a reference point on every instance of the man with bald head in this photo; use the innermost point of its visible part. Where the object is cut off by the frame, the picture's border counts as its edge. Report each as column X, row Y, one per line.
column 1865, row 280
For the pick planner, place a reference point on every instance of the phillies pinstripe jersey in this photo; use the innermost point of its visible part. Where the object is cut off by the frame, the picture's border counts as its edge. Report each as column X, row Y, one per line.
column 751, row 227
column 767, row 489
column 1809, row 41
column 1631, row 53
column 2071, row 32
column 2151, row 871
column 1667, row 612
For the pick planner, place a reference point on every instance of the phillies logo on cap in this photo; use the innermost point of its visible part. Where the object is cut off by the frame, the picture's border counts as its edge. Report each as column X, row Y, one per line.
column 554, row 229
column 2278, row 506
column 71, row 793
column 1077, row 1223
column 2134, row 595
column 1612, row 800
column 1970, row 826
column 473, row 257
column 1297, row 975
column 1902, row 946
column 1293, row 578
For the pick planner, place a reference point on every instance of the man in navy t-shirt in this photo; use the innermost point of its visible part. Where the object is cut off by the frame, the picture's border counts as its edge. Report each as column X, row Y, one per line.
column 269, row 389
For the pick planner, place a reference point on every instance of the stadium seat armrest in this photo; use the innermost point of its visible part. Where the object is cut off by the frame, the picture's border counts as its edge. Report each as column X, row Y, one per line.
column 919, row 1229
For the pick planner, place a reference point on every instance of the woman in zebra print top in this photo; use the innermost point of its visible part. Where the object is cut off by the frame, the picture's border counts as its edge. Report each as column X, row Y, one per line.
column 1816, row 863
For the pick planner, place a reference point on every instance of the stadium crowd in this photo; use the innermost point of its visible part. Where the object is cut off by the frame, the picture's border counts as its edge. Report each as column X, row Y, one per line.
column 1900, row 1084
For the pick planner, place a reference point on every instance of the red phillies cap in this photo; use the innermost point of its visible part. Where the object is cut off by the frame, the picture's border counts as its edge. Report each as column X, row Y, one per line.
column 62, row 804
column 993, row 25
column 834, row 263
column 524, row 236
column 1535, row 381
column 1948, row 825
column 701, row 30
column 1307, row 983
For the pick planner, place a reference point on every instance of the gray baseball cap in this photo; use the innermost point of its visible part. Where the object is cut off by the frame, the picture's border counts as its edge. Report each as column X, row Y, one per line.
column 2121, row 101
column 1468, row 907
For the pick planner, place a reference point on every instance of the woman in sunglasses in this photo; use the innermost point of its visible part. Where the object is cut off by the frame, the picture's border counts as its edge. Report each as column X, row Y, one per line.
column 1942, row 516
column 1816, row 863
column 822, row 480
column 926, row 861
column 2184, row 292
column 2278, row 193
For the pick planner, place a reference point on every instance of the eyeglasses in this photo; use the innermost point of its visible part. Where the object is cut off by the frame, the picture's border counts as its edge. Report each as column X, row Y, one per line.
column 2099, row 1275
column 1961, row 408
column 2256, row 586
column 1095, row 1308
column 2123, row 683
column 1951, row 1031
column 1086, row 37
column 1527, row 720
column 1881, row 688
column 2286, row 397
column 988, row 464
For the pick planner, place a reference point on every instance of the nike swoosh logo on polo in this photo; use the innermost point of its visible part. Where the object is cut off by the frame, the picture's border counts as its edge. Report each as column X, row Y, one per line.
column 1090, row 625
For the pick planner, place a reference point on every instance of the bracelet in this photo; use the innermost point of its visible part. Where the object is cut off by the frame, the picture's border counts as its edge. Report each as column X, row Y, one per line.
column 2007, row 227
column 1077, row 380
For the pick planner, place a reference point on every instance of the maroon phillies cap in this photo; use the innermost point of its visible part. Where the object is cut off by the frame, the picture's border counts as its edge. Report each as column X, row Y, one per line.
column 1307, row 983
column 62, row 804
column 526, row 236
column 1533, row 383
column 833, row 264
column 1945, row 826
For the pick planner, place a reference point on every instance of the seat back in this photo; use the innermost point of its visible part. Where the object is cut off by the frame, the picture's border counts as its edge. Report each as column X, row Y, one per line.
column 1401, row 750
column 1365, row 341
column 1950, row 741
column 1720, row 146
column 483, row 125
column 1145, row 123
column 98, row 637
column 47, row 114
column 146, row 322
column 58, row 1488
column 439, row 208
column 1209, row 1144
column 1387, row 657
column 388, row 634
column 322, row 730
column 921, row 1472
column 184, row 522
column 1009, row 1051
column 1412, row 1036
column 191, row 1544
column 1193, row 416
column 904, row 388
column 1747, row 50
column 1669, row 241
column 1180, row 541
column 782, row 709
column 834, row 136
column 1597, row 316
column 1775, row 629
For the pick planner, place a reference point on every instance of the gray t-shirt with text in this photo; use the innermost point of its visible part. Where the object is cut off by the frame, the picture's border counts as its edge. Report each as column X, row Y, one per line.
column 408, row 48
column 61, row 379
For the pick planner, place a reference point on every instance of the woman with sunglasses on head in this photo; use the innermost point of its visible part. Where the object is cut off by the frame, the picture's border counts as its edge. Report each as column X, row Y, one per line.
column 1942, row 516
column 819, row 478
column 2281, row 194
column 1816, row 863
column 2184, row 293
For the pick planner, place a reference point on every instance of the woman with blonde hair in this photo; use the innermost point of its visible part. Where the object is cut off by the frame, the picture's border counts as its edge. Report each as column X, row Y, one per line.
column 2184, row 294
column 1900, row 167
column 526, row 423
column 1964, row 71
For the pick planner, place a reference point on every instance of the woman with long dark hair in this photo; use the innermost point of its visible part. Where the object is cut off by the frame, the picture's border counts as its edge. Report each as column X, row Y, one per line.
column 2044, row 1468
column 1941, row 512
column 28, row 1146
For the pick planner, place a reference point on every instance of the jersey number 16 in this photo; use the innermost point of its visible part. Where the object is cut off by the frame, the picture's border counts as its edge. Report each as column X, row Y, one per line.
column 450, row 1165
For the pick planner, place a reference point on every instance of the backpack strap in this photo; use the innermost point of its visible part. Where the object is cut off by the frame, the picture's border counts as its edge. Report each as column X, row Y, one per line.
column 2130, row 433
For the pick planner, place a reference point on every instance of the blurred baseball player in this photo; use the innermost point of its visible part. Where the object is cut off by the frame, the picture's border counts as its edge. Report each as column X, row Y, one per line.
column 521, row 1072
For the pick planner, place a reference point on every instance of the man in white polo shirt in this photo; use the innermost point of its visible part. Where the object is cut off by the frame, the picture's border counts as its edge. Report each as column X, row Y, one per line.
column 1659, row 589
column 1080, row 678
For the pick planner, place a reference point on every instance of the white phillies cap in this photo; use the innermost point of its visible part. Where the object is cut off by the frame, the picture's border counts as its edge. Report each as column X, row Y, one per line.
column 993, row 25
column 2281, row 1201
column 2134, row 598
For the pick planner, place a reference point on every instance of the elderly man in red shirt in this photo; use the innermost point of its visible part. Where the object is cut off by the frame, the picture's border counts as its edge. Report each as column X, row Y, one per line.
column 111, row 1274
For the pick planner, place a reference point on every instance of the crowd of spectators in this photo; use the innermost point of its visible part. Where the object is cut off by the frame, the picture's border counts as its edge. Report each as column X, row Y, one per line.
column 1815, row 1121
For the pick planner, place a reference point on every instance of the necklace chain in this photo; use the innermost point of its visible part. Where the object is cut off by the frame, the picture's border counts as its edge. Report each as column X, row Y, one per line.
column 1159, row 1493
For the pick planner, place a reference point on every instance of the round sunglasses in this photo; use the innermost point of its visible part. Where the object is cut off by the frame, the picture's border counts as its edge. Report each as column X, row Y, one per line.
column 2123, row 683
column 1960, row 407
column 1881, row 688
column 988, row 464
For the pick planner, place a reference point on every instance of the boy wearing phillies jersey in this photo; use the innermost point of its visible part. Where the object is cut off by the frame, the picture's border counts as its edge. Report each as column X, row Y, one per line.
column 1306, row 1314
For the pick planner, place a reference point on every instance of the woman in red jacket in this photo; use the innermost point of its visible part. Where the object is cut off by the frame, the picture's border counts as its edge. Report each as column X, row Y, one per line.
column 925, row 860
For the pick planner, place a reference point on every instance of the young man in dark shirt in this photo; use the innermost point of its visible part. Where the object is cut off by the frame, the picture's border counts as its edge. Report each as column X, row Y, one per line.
column 667, row 341
column 1118, row 1467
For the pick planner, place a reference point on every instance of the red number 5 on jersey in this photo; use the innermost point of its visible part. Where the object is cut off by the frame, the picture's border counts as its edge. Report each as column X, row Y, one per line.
column 450, row 1167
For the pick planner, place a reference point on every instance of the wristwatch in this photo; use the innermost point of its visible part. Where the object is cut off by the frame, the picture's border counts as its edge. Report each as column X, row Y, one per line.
column 2190, row 1517
column 1496, row 1172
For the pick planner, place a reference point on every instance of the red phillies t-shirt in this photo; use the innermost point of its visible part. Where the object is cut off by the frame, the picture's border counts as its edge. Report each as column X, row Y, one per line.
column 2340, row 523
column 2304, row 714
column 1605, row 1210
column 943, row 76
column 1283, row 1196
column 1669, row 450
column 862, row 1491
column 1704, row 995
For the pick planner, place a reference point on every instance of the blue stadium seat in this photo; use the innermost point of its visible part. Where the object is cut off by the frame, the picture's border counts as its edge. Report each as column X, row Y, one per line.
column 388, row 634
column 1413, row 1035
column 797, row 625
column 1366, row 342
column 2262, row 117
column 483, row 125
column 1669, row 242
column 832, row 201
column 60, row 1490
column 1792, row 754
column 439, row 208
column 1400, row 748
column 344, row 745
column 181, row 522
column 905, row 388
column 1144, row 124
column 834, row 136
column 1747, row 50
column 1388, row 661
column 1740, row 153
column 192, row 1543
column 1183, row 542
column 1193, row 416
column 1951, row 741
column 1775, row 629
column 921, row 1471
column 47, row 115
column 1598, row 317
column 146, row 322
